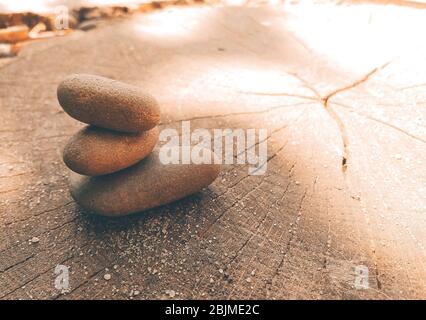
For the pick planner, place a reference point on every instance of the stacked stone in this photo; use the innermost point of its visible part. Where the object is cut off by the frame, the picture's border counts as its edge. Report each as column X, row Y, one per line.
column 116, row 170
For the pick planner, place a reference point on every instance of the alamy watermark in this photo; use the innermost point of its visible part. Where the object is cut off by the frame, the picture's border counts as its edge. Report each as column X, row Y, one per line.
column 361, row 277
column 62, row 280
column 230, row 146
column 61, row 18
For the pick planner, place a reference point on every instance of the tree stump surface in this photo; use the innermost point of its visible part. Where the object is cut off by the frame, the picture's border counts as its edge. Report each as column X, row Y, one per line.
column 343, row 99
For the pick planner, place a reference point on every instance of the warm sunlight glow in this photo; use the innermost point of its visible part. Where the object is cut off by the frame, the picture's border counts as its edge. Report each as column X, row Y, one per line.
column 357, row 37
column 172, row 22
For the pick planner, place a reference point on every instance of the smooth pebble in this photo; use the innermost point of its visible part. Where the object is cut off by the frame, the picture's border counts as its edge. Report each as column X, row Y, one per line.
column 142, row 186
column 95, row 151
column 108, row 103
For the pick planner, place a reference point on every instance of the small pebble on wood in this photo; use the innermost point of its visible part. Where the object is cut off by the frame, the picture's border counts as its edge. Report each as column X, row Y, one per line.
column 108, row 103
column 145, row 185
column 95, row 151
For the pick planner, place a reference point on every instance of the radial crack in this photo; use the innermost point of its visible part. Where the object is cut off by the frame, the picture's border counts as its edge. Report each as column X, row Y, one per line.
column 338, row 120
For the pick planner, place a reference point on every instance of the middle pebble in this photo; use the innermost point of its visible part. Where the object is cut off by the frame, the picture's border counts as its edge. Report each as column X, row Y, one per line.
column 95, row 151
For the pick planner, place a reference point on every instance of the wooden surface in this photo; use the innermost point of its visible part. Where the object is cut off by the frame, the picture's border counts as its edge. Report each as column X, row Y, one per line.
column 326, row 88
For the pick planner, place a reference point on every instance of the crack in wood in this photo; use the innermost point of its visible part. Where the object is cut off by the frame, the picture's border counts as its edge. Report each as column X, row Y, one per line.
column 405, row 132
column 325, row 101
column 277, row 107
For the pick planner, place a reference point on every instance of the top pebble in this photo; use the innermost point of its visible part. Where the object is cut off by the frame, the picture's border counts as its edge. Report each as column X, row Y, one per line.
column 108, row 103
